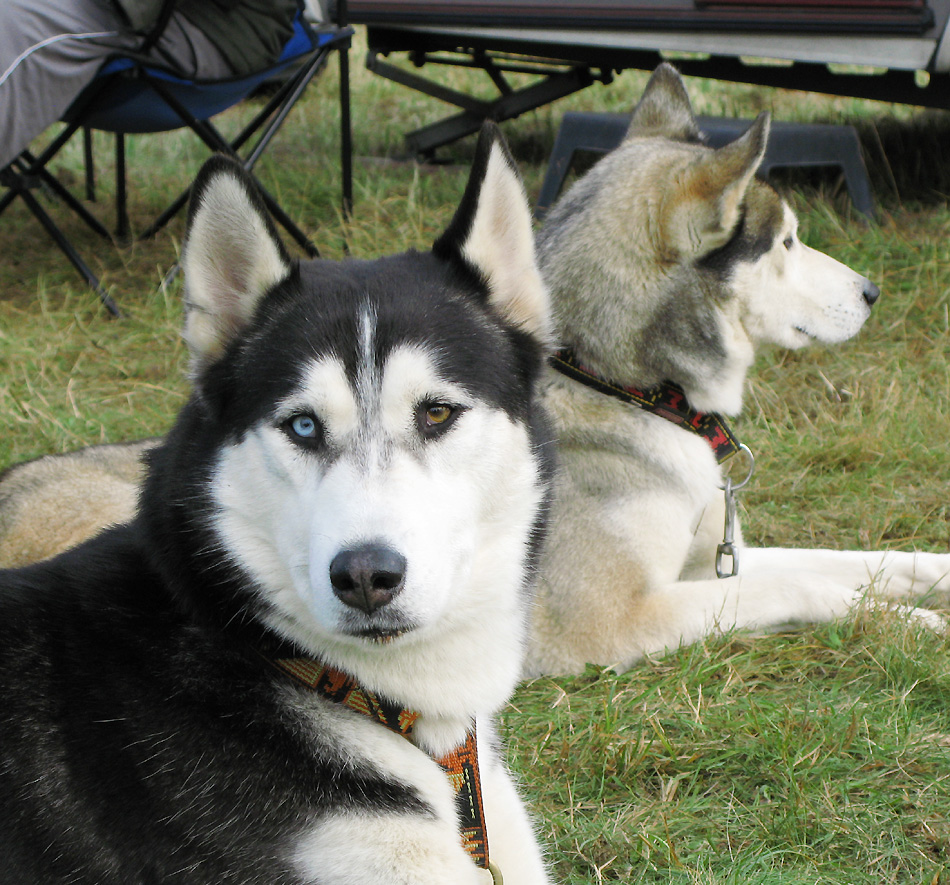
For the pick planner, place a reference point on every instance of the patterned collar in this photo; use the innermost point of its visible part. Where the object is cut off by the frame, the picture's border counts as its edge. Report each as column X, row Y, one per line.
column 666, row 400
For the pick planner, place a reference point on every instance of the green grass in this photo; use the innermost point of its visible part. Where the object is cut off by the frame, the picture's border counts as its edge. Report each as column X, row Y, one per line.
column 820, row 756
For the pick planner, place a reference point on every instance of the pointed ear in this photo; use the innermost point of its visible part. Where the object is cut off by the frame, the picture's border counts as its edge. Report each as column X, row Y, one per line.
column 491, row 234
column 664, row 109
column 232, row 257
column 705, row 204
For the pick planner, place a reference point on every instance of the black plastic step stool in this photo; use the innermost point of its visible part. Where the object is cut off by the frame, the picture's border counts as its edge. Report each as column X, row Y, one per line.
column 790, row 144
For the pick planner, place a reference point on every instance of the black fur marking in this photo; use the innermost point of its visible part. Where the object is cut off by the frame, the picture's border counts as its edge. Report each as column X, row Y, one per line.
column 414, row 298
column 743, row 246
column 759, row 224
column 683, row 340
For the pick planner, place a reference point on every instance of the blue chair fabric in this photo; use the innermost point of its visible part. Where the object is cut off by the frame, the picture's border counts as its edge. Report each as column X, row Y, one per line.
column 133, row 95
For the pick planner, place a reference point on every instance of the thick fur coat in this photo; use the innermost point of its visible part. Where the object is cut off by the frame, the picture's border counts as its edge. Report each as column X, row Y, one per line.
column 360, row 477
column 671, row 262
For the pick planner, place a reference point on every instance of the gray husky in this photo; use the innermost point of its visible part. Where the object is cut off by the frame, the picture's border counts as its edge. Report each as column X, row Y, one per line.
column 669, row 264
column 284, row 669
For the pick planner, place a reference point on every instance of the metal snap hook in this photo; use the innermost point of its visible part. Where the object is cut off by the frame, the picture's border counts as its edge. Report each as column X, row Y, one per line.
column 728, row 546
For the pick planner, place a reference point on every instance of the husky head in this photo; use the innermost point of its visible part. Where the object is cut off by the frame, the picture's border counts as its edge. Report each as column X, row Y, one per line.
column 671, row 261
column 362, row 466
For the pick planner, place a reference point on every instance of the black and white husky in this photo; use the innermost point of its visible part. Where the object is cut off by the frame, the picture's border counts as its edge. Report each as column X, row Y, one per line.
column 339, row 529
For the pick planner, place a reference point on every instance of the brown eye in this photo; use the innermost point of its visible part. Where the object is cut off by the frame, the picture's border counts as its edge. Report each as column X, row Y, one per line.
column 438, row 414
column 789, row 242
column 433, row 417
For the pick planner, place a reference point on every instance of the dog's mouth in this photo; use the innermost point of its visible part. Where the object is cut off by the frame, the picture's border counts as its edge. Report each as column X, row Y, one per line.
column 380, row 636
column 383, row 632
column 380, row 628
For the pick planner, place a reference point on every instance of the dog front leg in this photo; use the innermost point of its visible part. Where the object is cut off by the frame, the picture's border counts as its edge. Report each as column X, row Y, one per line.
column 397, row 849
column 512, row 844
column 895, row 574
column 756, row 599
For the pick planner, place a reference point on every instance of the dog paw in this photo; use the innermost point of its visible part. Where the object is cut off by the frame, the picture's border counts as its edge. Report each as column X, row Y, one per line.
column 931, row 619
column 923, row 617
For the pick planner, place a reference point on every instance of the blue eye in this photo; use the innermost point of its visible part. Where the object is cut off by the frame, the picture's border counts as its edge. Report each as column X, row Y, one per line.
column 304, row 426
column 303, row 429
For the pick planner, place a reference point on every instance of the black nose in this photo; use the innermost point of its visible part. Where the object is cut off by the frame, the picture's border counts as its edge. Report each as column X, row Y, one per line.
column 367, row 577
column 871, row 293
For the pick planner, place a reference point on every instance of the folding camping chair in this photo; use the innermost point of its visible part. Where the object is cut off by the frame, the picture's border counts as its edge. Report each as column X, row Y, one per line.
column 133, row 94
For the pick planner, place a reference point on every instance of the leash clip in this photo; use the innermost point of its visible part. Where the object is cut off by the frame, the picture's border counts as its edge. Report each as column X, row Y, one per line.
column 728, row 546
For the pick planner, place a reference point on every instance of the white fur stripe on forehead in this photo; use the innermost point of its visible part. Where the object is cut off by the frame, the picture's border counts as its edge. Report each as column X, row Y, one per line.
column 231, row 259
column 500, row 243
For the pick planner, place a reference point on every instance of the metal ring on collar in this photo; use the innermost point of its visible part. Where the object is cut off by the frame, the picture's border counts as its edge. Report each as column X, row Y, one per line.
column 748, row 453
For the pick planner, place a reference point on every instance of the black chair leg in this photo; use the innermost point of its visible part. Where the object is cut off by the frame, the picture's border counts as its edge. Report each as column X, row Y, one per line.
column 346, row 127
column 88, row 161
column 123, row 230
column 284, row 219
column 166, row 216
column 31, row 170
column 67, row 249
column 274, row 114
column 346, row 144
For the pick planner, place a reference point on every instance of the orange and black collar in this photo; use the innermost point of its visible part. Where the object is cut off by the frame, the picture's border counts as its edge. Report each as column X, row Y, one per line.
column 667, row 400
